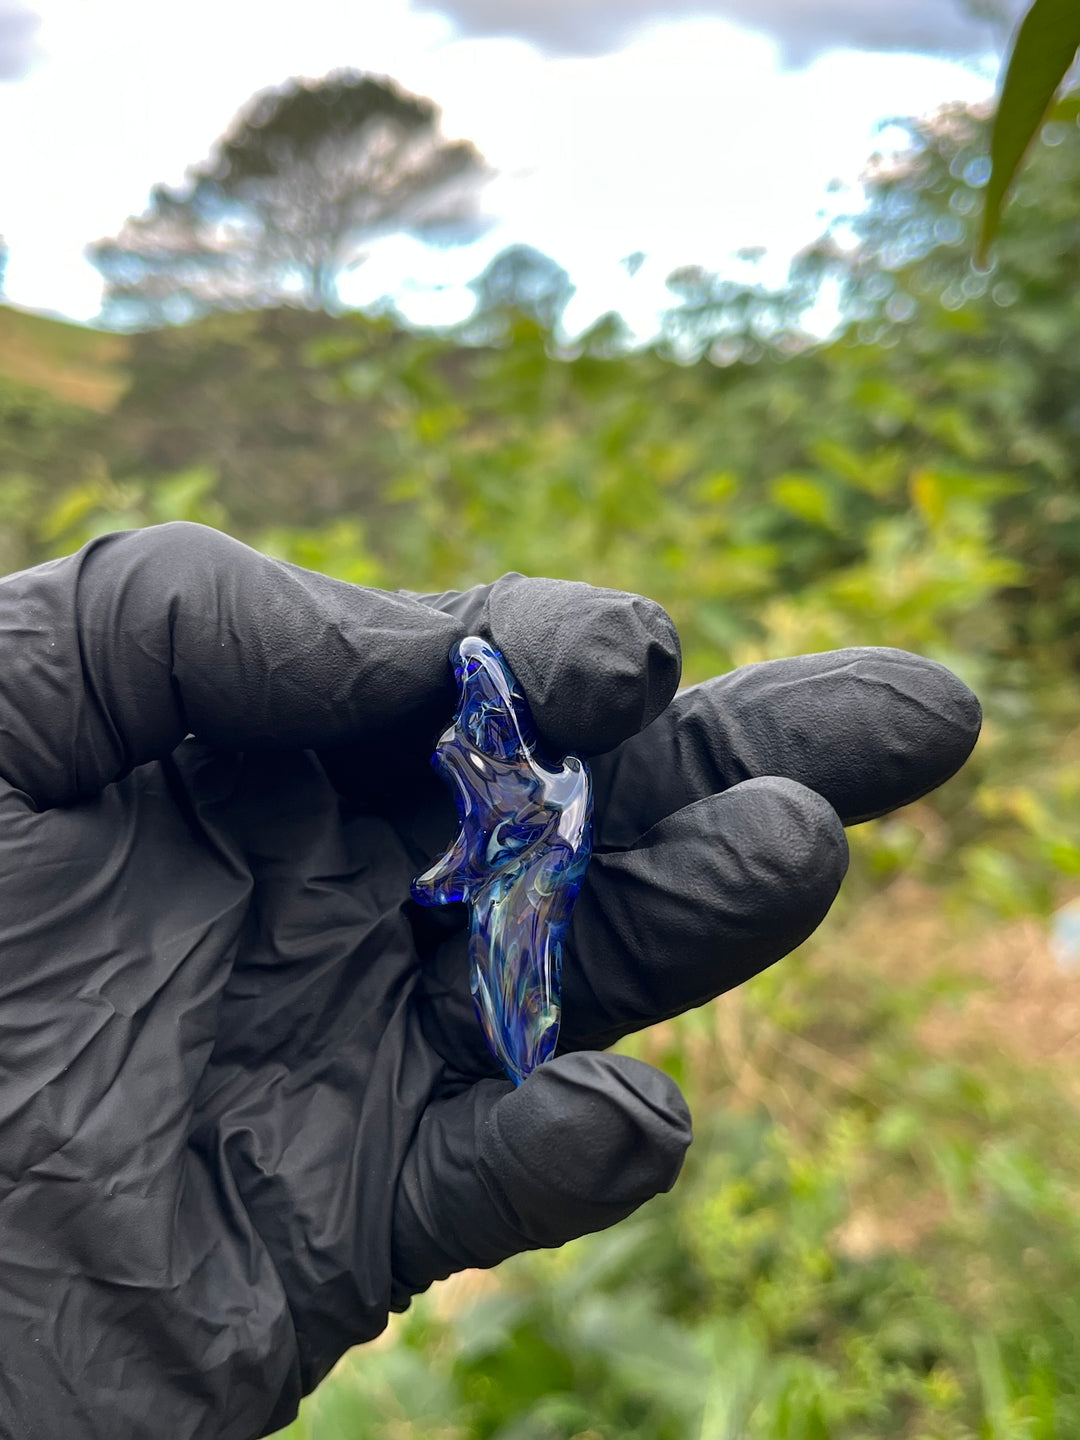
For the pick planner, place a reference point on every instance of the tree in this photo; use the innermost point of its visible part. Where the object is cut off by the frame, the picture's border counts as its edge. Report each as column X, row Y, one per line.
column 519, row 281
column 304, row 178
column 730, row 320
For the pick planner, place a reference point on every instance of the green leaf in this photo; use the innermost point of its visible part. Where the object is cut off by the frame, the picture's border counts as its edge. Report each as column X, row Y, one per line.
column 803, row 496
column 1045, row 47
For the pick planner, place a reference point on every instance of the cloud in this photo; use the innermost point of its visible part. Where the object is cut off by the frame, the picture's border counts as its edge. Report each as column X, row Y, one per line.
column 802, row 28
column 18, row 27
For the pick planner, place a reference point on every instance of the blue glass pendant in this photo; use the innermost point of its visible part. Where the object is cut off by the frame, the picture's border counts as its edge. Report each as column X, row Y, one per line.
column 519, row 856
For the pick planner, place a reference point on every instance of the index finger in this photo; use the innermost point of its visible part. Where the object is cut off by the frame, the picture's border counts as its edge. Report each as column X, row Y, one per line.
column 869, row 729
column 109, row 657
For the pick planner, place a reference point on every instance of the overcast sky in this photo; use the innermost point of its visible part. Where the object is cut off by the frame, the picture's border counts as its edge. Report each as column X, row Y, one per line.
column 615, row 126
column 802, row 28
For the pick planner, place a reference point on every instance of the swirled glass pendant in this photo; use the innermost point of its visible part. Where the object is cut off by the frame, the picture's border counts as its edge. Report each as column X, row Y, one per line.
column 518, row 859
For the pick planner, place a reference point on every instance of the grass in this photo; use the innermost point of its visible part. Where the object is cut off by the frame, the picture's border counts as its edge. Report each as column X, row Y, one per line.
column 72, row 363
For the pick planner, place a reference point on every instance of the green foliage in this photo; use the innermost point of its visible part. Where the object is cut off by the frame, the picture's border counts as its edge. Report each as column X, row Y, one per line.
column 1042, row 53
column 878, row 1233
column 881, row 1245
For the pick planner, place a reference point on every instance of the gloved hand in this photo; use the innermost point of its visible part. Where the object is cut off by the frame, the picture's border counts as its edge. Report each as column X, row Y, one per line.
column 245, row 1107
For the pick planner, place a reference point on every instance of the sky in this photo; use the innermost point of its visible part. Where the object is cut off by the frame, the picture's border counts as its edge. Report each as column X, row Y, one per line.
column 669, row 127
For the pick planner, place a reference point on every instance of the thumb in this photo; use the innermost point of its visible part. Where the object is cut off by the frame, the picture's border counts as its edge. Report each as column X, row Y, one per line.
column 493, row 1171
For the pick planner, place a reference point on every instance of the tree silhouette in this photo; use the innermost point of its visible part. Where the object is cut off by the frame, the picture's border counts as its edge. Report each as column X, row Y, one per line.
column 519, row 281
column 730, row 319
column 304, row 178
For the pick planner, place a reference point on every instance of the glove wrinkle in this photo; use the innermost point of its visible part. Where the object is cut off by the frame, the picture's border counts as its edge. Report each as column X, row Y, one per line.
column 447, row 1216
column 109, row 657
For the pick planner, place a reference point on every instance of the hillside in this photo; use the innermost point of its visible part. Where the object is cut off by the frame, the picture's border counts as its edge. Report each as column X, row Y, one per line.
column 71, row 363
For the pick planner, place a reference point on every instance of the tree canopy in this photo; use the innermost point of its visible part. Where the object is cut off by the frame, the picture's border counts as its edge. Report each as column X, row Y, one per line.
column 305, row 178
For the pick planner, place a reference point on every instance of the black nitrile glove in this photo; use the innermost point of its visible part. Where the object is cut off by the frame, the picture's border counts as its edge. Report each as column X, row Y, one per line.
column 245, row 1107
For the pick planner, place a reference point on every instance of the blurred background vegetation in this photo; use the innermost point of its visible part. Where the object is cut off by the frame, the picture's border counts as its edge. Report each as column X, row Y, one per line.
column 878, row 1230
